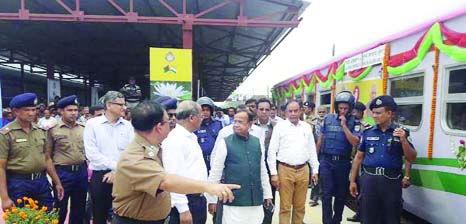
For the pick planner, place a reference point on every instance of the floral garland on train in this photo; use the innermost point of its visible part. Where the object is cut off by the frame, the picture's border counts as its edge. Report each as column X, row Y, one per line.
column 451, row 43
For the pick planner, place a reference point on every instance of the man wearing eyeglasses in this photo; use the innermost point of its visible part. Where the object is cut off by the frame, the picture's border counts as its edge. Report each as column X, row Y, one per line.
column 169, row 104
column 182, row 156
column 105, row 138
column 266, row 124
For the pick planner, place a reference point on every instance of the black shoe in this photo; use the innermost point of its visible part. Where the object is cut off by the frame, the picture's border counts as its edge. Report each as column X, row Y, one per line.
column 355, row 218
column 313, row 203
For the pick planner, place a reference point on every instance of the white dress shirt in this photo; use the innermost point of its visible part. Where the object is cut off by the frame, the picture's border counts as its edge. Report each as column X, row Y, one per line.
column 249, row 214
column 276, row 119
column 228, row 130
column 47, row 123
column 292, row 144
column 104, row 142
column 182, row 156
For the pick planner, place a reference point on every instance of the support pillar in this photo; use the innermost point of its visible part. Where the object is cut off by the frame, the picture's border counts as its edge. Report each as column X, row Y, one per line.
column 188, row 44
column 22, row 77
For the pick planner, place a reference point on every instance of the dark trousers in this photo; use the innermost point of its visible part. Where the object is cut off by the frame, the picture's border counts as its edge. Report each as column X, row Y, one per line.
column 75, row 185
column 198, row 208
column 101, row 194
column 334, row 179
column 316, row 192
column 38, row 189
column 268, row 213
column 124, row 220
column 380, row 199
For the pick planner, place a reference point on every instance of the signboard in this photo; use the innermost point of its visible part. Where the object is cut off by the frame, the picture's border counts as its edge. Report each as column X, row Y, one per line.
column 53, row 89
column 366, row 59
column 364, row 92
column 171, row 73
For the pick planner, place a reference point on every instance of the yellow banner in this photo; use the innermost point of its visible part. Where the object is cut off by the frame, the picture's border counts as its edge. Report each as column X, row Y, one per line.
column 171, row 73
column 364, row 92
column 170, row 64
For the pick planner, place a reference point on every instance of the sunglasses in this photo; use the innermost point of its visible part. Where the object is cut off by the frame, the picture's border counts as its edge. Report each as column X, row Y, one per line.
column 170, row 115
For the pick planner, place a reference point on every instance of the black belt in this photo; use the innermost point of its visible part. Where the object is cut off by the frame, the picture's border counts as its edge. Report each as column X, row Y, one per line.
column 72, row 168
column 127, row 220
column 26, row 176
column 335, row 157
column 381, row 171
column 296, row 167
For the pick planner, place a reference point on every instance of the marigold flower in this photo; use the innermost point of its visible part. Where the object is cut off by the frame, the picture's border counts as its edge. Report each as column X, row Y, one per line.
column 5, row 216
column 47, row 220
column 36, row 202
column 35, row 207
column 7, row 210
column 14, row 210
column 55, row 221
column 37, row 217
column 27, row 206
column 25, row 198
column 19, row 200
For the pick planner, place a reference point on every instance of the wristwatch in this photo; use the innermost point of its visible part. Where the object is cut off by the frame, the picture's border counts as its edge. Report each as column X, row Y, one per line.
column 406, row 177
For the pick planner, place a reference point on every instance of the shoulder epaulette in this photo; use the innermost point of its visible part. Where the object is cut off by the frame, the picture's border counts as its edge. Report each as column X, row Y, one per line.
column 80, row 123
column 5, row 130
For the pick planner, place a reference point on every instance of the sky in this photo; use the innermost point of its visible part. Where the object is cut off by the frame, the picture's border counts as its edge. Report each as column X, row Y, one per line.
column 350, row 25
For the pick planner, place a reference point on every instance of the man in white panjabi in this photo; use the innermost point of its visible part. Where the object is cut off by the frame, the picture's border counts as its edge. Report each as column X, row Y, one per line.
column 240, row 158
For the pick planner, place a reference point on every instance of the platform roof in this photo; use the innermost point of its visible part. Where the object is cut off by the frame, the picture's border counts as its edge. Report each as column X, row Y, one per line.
column 109, row 40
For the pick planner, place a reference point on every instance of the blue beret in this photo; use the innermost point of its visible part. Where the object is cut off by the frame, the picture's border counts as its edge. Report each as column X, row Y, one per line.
column 168, row 102
column 309, row 104
column 383, row 101
column 359, row 106
column 66, row 101
column 24, row 100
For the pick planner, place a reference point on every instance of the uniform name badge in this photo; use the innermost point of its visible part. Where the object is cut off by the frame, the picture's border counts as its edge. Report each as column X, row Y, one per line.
column 357, row 128
column 21, row 140
column 371, row 150
column 372, row 138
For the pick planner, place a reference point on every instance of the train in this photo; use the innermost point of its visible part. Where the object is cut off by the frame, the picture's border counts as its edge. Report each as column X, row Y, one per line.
column 424, row 69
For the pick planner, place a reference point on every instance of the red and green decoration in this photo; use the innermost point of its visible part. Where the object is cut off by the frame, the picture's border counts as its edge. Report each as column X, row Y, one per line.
column 451, row 43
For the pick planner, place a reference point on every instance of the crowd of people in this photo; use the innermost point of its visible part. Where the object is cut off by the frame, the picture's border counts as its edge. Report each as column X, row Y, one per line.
column 165, row 161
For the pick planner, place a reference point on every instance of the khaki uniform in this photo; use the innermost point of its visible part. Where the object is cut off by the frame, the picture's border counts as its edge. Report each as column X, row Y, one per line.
column 66, row 144
column 138, row 176
column 24, row 152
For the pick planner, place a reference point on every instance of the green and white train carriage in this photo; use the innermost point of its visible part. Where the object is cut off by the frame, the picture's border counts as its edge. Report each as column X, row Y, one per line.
column 425, row 70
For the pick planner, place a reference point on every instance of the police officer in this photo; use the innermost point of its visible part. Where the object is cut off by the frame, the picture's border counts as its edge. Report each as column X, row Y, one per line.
column 208, row 132
column 67, row 150
column 132, row 92
column 381, row 152
column 340, row 133
column 24, row 160
column 170, row 105
column 141, row 188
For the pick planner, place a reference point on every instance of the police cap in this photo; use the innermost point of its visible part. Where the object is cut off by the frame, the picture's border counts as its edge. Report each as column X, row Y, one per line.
column 168, row 102
column 66, row 101
column 383, row 101
column 359, row 106
column 309, row 104
column 24, row 100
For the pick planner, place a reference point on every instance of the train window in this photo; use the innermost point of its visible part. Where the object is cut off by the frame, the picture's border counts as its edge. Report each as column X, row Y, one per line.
column 409, row 114
column 456, row 118
column 325, row 98
column 407, row 87
column 455, row 99
column 408, row 92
